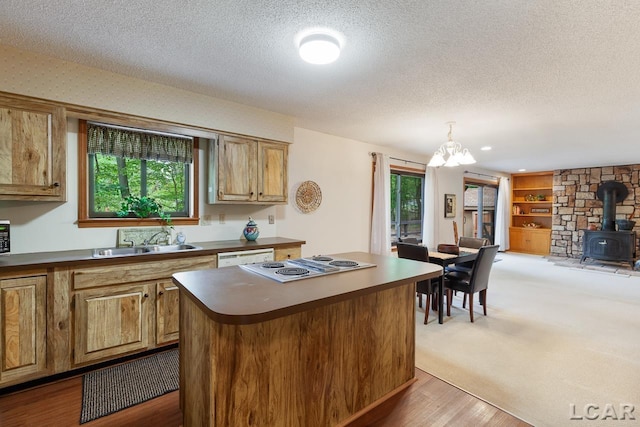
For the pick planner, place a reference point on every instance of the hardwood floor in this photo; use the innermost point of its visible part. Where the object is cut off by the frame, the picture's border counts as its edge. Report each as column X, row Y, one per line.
column 427, row 402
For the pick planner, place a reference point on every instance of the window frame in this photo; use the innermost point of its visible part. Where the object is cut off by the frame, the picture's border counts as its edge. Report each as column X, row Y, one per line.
column 85, row 221
column 418, row 173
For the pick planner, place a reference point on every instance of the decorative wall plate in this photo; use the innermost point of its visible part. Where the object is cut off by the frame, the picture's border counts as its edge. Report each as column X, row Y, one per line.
column 308, row 196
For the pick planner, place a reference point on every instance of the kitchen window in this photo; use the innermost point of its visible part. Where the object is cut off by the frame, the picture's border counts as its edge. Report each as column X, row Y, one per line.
column 407, row 208
column 120, row 161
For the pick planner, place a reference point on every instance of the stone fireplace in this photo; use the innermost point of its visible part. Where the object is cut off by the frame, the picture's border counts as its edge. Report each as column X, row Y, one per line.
column 576, row 205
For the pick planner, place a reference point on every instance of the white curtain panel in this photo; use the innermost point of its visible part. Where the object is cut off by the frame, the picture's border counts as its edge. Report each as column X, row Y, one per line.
column 431, row 206
column 430, row 219
column 502, row 215
column 381, row 218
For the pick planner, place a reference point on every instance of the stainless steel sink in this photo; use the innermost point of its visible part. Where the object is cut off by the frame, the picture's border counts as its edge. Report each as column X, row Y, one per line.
column 141, row 250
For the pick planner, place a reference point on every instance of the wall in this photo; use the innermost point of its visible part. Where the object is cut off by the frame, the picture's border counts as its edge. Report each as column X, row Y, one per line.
column 576, row 205
column 50, row 226
column 343, row 170
column 45, row 77
column 451, row 181
column 340, row 166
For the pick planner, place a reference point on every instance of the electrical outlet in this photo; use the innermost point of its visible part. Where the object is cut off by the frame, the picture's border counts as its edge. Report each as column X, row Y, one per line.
column 272, row 219
column 207, row 219
column 221, row 218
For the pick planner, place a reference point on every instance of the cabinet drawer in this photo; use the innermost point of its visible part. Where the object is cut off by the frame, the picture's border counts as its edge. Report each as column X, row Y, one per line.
column 293, row 252
column 136, row 272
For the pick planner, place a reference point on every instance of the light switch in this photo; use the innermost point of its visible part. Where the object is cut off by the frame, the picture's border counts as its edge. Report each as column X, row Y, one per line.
column 272, row 219
column 221, row 218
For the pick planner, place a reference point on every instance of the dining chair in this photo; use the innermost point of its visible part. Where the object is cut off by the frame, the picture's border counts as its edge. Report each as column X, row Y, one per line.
column 477, row 280
column 411, row 240
column 426, row 287
column 473, row 242
column 468, row 242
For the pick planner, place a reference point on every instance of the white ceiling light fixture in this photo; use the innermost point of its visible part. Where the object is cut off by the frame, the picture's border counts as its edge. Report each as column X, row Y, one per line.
column 456, row 155
column 319, row 49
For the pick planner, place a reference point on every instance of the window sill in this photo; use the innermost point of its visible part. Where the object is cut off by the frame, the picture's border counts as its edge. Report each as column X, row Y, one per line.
column 133, row 222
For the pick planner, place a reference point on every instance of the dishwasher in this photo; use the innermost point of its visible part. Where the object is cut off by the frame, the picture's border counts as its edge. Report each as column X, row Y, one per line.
column 226, row 259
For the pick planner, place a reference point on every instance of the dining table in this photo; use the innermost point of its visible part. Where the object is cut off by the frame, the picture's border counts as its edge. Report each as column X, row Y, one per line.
column 445, row 259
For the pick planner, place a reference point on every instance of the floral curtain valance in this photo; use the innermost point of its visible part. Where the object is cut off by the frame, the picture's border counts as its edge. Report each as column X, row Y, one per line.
column 136, row 144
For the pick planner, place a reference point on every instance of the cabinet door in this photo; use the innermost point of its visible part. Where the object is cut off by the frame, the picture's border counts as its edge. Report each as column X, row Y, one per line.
column 237, row 177
column 23, row 327
column 540, row 243
column 516, row 240
column 272, row 172
column 111, row 321
column 167, row 314
column 32, row 150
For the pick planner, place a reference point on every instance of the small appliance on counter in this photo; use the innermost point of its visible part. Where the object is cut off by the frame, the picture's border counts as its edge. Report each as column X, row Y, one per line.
column 5, row 239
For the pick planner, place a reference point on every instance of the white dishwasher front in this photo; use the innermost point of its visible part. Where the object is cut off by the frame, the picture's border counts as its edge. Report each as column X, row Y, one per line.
column 226, row 259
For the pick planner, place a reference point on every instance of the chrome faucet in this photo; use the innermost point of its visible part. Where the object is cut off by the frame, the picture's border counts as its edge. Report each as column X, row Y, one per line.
column 165, row 232
column 130, row 241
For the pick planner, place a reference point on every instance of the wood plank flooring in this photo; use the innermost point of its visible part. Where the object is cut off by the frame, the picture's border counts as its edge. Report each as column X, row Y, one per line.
column 427, row 402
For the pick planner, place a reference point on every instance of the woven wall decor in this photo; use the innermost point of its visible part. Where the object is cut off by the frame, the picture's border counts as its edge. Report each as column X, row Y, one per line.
column 308, row 196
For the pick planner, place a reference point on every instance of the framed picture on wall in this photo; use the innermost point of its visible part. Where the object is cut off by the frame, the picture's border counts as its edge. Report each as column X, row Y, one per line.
column 449, row 205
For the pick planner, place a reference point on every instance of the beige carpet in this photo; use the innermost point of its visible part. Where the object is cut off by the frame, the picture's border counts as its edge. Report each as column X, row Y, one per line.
column 554, row 336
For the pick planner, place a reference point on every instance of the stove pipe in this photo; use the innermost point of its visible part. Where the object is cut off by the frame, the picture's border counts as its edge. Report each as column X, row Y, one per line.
column 611, row 192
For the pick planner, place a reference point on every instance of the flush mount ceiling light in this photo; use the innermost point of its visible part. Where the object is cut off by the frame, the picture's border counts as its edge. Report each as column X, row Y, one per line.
column 319, row 49
column 456, row 155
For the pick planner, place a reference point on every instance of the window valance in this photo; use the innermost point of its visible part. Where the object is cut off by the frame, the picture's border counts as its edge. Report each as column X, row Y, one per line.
column 138, row 144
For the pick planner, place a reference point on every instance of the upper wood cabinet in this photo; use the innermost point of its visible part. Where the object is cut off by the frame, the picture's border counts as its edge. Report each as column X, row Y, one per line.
column 272, row 172
column 243, row 170
column 32, row 149
column 23, row 328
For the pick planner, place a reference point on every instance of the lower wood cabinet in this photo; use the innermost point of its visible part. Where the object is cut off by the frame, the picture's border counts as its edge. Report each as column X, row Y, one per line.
column 118, row 311
column 111, row 321
column 530, row 240
column 23, row 328
column 55, row 320
column 167, row 312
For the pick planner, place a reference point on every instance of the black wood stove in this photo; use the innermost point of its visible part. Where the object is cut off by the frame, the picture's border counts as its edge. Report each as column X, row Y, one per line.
column 608, row 244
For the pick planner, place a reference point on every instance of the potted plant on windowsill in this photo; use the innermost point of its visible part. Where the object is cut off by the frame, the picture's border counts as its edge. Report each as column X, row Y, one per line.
column 143, row 207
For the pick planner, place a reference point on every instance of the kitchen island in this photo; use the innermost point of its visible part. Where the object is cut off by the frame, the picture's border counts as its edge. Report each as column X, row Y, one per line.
column 315, row 352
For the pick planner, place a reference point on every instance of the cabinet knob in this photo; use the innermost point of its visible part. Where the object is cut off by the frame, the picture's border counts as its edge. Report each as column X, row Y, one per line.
column 260, row 194
column 604, row 242
column 56, row 184
column 251, row 194
column 161, row 293
column 146, row 295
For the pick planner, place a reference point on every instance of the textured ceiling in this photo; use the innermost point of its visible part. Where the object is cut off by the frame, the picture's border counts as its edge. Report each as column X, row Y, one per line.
column 547, row 84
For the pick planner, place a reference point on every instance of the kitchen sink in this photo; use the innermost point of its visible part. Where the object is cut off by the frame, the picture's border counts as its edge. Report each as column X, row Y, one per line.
column 141, row 250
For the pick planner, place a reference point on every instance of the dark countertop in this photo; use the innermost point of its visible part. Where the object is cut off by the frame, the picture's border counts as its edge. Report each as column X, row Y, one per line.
column 84, row 258
column 232, row 295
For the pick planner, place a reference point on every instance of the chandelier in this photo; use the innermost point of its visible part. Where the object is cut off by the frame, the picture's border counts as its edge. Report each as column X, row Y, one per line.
column 456, row 154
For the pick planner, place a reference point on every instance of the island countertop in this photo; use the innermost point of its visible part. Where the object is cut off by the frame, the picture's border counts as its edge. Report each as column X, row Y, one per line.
column 231, row 295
